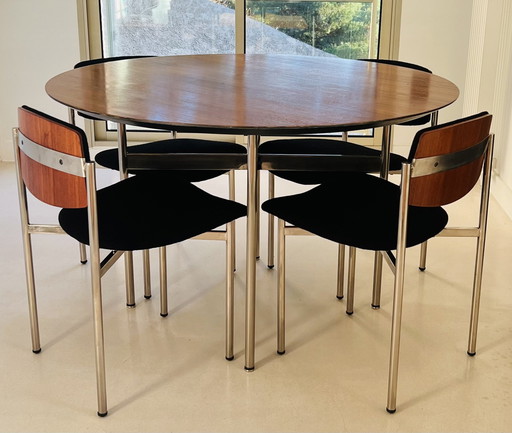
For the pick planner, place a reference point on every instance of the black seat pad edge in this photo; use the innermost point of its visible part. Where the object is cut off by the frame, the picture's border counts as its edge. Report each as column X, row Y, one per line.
column 358, row 210
column 143, row 212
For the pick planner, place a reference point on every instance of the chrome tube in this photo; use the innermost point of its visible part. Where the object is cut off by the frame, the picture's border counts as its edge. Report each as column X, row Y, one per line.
column 460, row 232
column 480, row 248
column 128, row 256
column 232, row 183
column 396, row 320
column 423, row 252
column 341, row 271
column 270, row 246
column 384, row 172
column 109, row 260
column 230, row 289
column 351, row 279
column 252, row 241
column 341, row 253
column 258, row 213
column 434, row 118
column 147, row 274
column 423, row 256
column 164, row 309
column 71, row 116
column 27, row 251
column 45, row 228
column 385, row 154
column 122, row 150
column 377, row 280
column 82, row 250
column 281, row 307
column 96, row 290
column 83, row 254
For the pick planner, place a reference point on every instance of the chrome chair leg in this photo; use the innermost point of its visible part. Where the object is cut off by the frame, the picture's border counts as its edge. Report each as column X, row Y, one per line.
column 130, row 289
column 351, row 279
column 341, row 271
column 258, row 214
column 128, row 255
column 281, row 287
column 98, row 335
column 480, row 249
column 83, row 254
column 29, row 263
column 423, row 253
column 423, row 256
column 396, row 323
column 147, row 274
column 31, row 291
column 475, row 300
column 271, row 194
column 398, row 293
column 232, row 182
column 230, row 290
column 99, row 343
column 164, row 309
column 377, row 280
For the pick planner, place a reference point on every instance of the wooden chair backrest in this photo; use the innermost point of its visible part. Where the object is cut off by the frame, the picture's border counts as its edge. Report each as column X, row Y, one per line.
column 47, row 184
column 446, row 187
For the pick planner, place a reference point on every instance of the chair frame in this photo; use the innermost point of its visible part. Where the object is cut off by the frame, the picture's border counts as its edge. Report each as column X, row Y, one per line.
column 82, row 168
column 415, row 169
column 424, row 167
column 340, row 283
column 129, row 272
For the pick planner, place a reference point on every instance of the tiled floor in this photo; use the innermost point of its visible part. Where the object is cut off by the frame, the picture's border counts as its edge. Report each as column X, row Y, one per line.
column 170, row 375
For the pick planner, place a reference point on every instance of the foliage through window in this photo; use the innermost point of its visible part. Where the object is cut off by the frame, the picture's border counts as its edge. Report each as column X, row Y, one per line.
column 341, row 28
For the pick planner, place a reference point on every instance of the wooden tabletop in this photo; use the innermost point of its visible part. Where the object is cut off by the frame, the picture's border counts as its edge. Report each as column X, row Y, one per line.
column 251, row 94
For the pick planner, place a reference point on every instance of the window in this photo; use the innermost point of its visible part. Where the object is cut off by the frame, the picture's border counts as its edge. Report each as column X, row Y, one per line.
column 344, row 28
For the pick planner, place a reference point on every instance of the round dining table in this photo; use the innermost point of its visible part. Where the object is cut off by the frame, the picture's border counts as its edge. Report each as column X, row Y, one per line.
column 253, row 95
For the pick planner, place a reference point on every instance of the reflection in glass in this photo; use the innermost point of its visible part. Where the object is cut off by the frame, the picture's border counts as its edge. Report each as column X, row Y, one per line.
column 342, row 28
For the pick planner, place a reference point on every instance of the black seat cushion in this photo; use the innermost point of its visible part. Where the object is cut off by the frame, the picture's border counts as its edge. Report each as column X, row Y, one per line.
column 109, row 158
column 319, row 146
column 144, row 212
column 358, row 210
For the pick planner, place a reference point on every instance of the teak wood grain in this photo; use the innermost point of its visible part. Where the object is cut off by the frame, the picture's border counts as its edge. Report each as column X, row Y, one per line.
column 252, row 94
column 446, row 187
column 52, row 186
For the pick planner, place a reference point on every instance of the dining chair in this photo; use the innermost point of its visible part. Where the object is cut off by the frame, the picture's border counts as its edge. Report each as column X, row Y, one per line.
column 137, row 213
column 72, row 119
column 110, row 159
column 444, row 164
column 332, row 146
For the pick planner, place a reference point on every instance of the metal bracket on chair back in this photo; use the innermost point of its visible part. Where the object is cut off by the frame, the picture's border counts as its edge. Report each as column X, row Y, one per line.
column 51, row 158
column 450, row 161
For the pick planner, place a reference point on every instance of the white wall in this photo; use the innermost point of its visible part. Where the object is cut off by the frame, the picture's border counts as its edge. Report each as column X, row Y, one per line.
column 38, row 39
column 435, row 34
column 496, row 91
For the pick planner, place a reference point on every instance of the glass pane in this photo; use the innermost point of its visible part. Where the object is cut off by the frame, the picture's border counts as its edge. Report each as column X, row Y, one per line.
column 340, row 28
column 165, row 27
